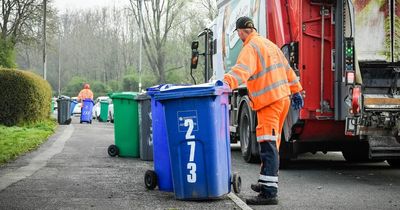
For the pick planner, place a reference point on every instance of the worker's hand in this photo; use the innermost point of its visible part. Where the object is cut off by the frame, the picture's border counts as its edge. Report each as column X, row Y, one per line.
column 297, row 101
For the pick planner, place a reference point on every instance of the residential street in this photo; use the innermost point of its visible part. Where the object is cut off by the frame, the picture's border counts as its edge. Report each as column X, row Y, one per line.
column 72, row 170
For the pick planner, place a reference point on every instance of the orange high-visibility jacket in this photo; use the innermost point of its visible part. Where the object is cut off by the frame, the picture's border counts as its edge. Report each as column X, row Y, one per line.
column 263, row 67
column 85, row 94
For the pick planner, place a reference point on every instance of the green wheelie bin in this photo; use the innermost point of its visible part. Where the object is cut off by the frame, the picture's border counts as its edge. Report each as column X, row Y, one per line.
column 103, row 111
column 126, row 125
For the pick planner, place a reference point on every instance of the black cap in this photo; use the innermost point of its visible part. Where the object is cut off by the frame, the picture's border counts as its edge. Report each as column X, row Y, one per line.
column 244, row 22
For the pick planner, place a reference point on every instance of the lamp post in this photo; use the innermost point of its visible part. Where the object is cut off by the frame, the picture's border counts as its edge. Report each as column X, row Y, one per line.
column 59, row 61
column 44, row 41
column 140, row 41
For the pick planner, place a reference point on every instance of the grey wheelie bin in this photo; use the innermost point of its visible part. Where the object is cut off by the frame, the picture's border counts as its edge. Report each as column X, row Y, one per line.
column 145, row 128
column 63, row 110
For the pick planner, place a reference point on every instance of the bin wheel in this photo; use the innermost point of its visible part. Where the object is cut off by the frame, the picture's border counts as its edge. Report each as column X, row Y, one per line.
column 150, row 179
column 90, row 122
column 113, row 150
column 236, row 183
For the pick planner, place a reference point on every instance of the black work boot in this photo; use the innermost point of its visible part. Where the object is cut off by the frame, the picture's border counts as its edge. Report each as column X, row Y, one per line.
column 256, row 187
column 262, row 200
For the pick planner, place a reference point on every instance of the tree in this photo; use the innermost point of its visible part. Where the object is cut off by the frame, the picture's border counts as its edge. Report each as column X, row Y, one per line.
column 211, row 7
column 159, row 17
column 18, row 23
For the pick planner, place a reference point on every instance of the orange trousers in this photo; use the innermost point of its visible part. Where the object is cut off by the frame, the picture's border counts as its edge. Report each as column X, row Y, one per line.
column 270, row 121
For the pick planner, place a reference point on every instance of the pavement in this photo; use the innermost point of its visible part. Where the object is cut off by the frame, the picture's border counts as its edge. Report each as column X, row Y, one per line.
column 72, row 170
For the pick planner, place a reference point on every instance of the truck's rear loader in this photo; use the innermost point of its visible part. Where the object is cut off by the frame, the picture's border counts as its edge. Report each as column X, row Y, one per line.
column 347, row 56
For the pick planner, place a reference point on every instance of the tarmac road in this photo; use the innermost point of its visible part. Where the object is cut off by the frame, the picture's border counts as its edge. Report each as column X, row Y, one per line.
column 72, row 170
column 329, row 182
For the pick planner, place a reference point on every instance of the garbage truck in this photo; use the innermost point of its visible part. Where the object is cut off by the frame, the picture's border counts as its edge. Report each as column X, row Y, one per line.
column 346, row 54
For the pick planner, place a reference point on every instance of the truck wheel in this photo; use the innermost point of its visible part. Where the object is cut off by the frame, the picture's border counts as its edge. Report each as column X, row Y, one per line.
column 394, row 163
column 150, row 179
column 284, row 153
column 357, row 153
column 247, row 138
column 113, row 150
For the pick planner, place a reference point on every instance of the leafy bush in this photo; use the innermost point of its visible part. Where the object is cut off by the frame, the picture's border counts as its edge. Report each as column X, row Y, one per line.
column 7, row 54
column 130, row 82
column 74, row 86
column 99, row 88
column 26, row 97
column 114, row 85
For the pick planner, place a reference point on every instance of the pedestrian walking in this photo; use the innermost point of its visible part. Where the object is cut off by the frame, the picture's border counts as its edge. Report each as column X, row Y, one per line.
column 85, row 93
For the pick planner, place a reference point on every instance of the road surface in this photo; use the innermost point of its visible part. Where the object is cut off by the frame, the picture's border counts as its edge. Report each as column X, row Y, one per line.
column 72, row 170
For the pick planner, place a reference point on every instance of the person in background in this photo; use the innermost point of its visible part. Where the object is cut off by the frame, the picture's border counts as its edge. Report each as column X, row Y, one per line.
column 270, row 81
column 85, row 93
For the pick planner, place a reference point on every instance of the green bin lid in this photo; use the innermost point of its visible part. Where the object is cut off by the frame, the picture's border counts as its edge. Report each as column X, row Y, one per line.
column 123, row 95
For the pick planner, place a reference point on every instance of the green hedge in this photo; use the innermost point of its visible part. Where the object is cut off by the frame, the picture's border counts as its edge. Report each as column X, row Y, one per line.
column 25, row 97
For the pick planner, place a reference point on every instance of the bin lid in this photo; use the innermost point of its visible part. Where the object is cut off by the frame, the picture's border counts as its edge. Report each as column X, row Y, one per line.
column 142, row 97
column 206, row 89
column 151, row 91
column 123, row 95
column 154, row 89
column 63, row 98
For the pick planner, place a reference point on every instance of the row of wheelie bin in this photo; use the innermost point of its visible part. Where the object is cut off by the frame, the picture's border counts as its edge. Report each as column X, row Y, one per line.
column 65, row 107
column 188, row 129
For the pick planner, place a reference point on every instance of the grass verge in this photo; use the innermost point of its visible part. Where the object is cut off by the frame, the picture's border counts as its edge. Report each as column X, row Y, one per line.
column 17, row 140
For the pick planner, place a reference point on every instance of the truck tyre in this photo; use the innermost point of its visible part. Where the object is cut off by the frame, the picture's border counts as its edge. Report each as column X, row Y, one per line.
column 394, row 163
column 284, row 153
column 247, row 138
column 358, row 152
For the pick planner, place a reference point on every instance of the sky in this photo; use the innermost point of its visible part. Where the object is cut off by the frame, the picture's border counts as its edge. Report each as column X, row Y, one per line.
column 63, row 5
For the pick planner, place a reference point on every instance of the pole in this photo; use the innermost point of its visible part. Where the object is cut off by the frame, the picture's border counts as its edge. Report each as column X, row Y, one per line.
column 59, row 63
column 140, row 43
column 44, row 41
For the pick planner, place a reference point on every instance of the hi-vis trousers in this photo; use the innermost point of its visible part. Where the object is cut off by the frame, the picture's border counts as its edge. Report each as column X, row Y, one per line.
column 269, row 129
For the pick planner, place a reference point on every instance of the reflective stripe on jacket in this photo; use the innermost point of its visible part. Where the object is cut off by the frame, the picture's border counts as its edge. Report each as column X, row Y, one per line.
column 263, row 67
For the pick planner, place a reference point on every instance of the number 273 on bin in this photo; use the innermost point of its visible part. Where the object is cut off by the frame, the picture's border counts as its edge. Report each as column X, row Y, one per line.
column 188, row 118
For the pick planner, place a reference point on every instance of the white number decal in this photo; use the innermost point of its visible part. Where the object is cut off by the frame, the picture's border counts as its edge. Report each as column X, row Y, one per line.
column 191, row 178
column 192, row 145
column 191, row 166
column 189, row 122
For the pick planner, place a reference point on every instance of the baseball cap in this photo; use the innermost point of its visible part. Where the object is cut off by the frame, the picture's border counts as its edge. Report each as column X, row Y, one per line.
column 244, row 22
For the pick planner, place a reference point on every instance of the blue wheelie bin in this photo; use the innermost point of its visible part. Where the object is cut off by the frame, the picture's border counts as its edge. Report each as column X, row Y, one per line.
column 87, row 108
column 161, row 176
column 197, row 121
column 72, row 107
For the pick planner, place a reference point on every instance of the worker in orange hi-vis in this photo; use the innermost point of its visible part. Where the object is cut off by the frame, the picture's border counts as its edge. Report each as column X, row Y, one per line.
column 85, row 93
column 271, row 83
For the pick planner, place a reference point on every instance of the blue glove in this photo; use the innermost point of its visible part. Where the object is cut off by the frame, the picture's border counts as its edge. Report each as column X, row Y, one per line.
column 297, row 101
